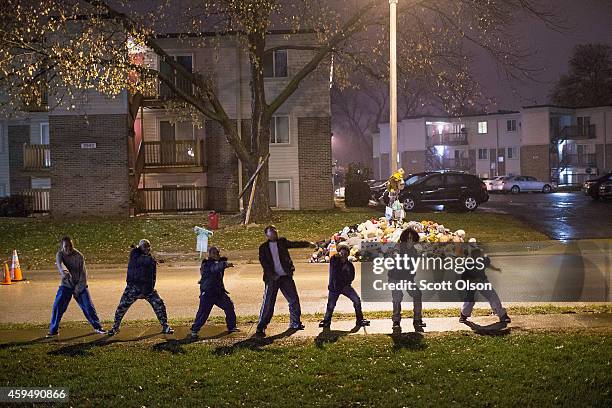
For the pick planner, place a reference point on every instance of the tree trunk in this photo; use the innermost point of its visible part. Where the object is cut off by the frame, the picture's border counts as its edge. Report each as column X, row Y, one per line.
column 260, row 127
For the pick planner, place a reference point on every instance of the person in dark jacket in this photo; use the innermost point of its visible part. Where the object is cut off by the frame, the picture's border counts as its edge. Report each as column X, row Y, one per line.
column 477, row 274
column 278, row 275
column 341, row 275
column 407, row 239
column 212, row 292
column 141, row 276
column 71, row 266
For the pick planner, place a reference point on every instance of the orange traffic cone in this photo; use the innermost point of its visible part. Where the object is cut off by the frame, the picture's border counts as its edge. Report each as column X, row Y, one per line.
column 16, row 274
column 7, row 276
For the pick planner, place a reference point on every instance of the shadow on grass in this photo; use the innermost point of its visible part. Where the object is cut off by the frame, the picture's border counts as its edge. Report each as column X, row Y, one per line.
column 42, row 340
column 407, row 341
column 253, row 343
column 494, row 329
column 176, row 346
column 328, row 336
column 83, row 349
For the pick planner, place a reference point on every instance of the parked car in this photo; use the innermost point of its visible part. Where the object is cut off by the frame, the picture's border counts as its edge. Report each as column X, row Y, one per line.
column 489, row 182
column 591, row 187
column 517, row 184
column 379, row 187
column 463, row 190
column 605, row 189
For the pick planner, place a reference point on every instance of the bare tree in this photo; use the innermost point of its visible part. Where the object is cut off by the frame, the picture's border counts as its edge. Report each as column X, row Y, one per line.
column 589, row 80
column 74, row 45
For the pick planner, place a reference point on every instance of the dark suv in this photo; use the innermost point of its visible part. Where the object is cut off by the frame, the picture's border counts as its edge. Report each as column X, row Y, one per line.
column 591, row 187
column 448, row 188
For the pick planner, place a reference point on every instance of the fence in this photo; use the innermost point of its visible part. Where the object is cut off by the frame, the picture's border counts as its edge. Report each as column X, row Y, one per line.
column 36, row 156
column 171, row 199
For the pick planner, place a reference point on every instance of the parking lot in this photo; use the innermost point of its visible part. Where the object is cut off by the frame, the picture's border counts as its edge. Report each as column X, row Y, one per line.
column 559, row 215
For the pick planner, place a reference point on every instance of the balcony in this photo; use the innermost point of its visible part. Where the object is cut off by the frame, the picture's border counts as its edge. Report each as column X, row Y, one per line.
column 448, row 139
column 156, row 91
column 578, row 160
column 171, row 199
column 173, row 156
column 38, row 200
column 36, row 157
column 577, row 132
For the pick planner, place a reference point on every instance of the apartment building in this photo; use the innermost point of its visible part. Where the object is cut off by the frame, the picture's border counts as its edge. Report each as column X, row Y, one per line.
column 89, row 161
column 562, row 144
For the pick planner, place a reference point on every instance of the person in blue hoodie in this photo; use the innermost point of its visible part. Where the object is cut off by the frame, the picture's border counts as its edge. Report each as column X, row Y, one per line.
column 141, row 276
column 212, row 292
column 341, row 275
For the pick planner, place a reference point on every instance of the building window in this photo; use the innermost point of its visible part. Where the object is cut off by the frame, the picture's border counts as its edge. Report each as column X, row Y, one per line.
column 44, row 134
column 38, row 183
column 2, row 190
column 512, row 153
column 483, row 154
column 275, row 64
column 482, row 127
column 583, row 121
column 511, row 125
column 280, row 193
column 279, row 130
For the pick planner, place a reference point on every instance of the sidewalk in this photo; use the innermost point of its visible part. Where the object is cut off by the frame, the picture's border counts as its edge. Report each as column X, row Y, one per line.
column 482, row 325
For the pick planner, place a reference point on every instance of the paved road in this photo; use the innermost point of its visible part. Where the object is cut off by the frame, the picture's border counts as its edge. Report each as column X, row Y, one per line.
column 31, row 301
column 558, row 215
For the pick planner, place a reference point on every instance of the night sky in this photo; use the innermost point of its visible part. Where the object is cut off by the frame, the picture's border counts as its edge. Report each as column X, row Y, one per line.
column 590, row 21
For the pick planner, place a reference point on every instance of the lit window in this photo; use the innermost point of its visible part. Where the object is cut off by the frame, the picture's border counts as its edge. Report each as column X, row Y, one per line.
column 482, row 127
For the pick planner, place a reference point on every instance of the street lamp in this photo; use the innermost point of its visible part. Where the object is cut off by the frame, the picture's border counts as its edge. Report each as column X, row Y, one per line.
column 393, row 82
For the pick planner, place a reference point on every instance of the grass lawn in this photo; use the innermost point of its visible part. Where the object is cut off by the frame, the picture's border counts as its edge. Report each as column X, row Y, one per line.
column 461, row 369
column 107, row 240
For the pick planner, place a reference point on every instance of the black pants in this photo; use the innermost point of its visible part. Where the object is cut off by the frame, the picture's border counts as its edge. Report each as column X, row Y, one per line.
column 350, row 293
column 289, row 291
column 207, row 301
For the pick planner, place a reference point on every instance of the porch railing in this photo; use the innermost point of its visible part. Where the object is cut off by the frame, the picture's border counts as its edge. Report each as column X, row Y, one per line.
column 39, row 200
column 585, row 159
column 577, row 132
column 177, row 153
column 36, row 156
column 171, row 199
column 448, row 139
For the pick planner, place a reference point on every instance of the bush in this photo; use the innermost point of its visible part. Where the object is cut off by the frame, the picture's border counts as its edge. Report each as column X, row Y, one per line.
column 15, row 206
column 357, row 191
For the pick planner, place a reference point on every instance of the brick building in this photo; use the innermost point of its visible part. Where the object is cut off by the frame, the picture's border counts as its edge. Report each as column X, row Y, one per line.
column 88, row 161
column 562, row 144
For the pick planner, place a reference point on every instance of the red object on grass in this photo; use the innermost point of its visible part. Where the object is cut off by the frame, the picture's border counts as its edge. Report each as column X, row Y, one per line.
column 213, row 220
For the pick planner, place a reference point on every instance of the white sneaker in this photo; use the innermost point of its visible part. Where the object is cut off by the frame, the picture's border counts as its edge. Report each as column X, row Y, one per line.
column 100, row 331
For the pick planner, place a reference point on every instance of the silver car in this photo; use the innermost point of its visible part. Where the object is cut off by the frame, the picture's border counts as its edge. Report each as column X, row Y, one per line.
column 517, row 184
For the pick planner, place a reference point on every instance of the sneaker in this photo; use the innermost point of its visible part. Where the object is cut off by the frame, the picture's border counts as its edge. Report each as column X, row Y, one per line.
column 505, row 318
column 463, row 318
column 193, row 334
column 167, row 330
column 112, row 331
column 325, row 324
column 50, row 335
column 419, row 323
column 100, row 331
column 260, row 334
column 396, row 325
column 362, row 323
column 298, row 326
column 233, row 330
